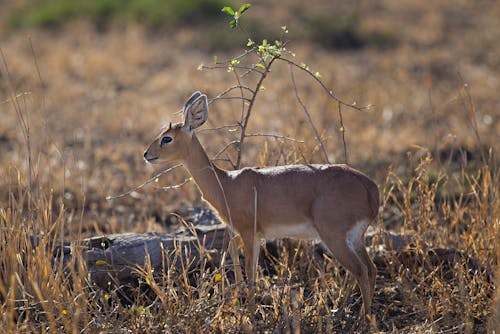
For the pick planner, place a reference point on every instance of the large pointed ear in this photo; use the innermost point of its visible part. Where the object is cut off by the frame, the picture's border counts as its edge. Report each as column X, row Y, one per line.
column 195, row 111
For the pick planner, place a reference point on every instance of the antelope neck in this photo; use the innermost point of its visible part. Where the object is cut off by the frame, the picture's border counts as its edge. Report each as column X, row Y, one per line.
column 208, row 177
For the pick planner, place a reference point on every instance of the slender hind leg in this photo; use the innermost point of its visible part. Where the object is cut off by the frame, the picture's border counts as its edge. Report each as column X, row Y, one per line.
column 372, row 269
column 355, row 264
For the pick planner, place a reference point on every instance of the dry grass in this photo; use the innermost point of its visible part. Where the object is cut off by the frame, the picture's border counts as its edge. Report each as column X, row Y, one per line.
column 429, row 141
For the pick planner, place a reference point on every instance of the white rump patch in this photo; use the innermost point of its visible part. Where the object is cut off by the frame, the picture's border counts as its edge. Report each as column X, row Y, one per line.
column 355, row 234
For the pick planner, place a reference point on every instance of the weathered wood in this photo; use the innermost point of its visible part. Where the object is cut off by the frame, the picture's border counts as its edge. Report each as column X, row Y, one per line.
column 116, row 258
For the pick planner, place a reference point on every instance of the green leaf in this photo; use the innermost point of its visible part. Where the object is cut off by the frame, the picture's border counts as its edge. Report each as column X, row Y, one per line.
column 233, row 24
column 228, row 10
column 244, row 8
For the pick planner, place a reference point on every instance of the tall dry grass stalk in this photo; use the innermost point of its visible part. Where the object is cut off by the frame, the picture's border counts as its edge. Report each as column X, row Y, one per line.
column 442, row 281
column 420, row 289
column 38, row 292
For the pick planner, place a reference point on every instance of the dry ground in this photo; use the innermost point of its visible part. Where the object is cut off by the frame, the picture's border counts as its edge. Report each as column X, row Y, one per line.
column 429, row 140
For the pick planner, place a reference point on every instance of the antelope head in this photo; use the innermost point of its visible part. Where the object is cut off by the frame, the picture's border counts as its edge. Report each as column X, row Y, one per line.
column 173, row 144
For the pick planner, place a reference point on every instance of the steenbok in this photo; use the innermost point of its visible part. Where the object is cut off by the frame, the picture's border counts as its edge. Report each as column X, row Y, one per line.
column 331, row 203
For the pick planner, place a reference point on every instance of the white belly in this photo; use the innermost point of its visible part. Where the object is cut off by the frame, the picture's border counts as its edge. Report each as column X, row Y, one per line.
column 303, row 231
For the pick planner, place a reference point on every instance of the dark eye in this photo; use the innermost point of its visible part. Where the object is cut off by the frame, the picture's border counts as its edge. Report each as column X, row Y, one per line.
column 165, row 140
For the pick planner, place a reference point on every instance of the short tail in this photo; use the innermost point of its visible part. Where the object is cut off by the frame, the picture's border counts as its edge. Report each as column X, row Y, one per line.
column 373, row 197
column 372, row 194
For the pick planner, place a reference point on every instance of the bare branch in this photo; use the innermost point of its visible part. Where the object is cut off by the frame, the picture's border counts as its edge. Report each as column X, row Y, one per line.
column 261, row 66
column 108, row 198
column 232, row 127
column 179, row 185
column 234, row 142
column 342, row 130
column 326, row 89
column 225, row 92
column 316, row 133
column 248, row 69
column 243, row 55
column 226, row 63
column 241, row 93
column 232, row 98
column 228, row 160
column 275, row 136
column 244, row 122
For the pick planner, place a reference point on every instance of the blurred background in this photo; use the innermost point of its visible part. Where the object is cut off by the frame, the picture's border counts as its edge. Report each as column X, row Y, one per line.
column 99, row 78
column 85, row 86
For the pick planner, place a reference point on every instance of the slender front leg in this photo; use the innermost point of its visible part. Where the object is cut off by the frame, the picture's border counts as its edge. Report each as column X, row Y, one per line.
column 252, row 249
column 233, row 252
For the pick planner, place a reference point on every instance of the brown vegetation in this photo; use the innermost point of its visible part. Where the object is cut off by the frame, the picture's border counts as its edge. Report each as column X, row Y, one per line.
column 92, row 98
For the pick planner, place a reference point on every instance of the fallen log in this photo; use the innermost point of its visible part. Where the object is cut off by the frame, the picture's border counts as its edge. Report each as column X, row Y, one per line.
column 116, row 260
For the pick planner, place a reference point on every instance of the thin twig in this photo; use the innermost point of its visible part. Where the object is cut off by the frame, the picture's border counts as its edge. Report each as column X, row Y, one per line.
column 242, row 95
column 44, row 109
column 42, row 84
column 274, row 136
column 230, row 89
column 234, row 142
column 326, row 89
column 471, row 109
column 249, row 69
column 13, row 98
column 244, row 122
column 223, row 159
column 179, row 185
column 108, row 198
column 231, row 127
column 232, row 98
column 316, row 133
column 342, row 130
column 45, row 114
column 243, row 55
column 233, row 249
column 9, row 100
column 23, row 121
